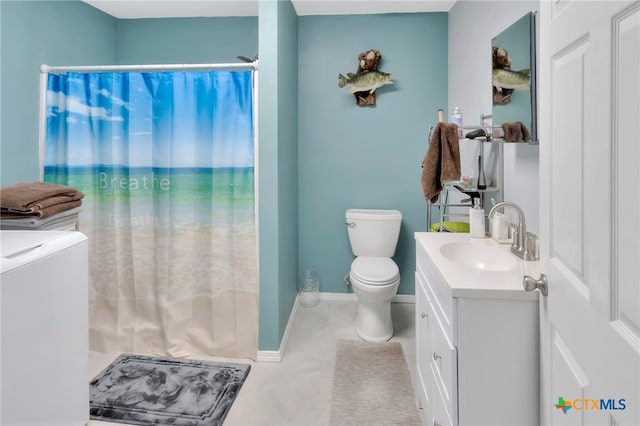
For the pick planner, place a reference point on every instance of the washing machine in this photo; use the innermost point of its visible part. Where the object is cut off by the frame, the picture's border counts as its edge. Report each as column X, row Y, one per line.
column 44, row 323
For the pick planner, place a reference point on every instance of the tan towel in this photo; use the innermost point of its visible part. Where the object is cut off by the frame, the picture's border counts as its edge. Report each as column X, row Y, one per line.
column 515, row 132
column 41, row 213
column 441, row 163
column 29, row 197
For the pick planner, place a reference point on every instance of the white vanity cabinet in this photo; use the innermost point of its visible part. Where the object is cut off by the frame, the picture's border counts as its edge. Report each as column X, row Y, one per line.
column 477, row 338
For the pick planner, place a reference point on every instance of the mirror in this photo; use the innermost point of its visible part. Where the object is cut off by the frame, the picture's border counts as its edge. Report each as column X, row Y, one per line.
column 513, row 80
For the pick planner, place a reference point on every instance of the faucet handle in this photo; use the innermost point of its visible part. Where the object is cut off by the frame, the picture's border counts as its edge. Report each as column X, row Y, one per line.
column 531, row 245
column 515, row 242
column 525, row 247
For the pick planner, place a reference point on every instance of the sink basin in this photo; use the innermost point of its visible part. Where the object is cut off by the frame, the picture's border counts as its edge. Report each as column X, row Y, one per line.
column 478, row 256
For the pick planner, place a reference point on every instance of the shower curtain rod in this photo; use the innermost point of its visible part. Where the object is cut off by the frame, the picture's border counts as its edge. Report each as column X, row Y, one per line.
column 44, row 69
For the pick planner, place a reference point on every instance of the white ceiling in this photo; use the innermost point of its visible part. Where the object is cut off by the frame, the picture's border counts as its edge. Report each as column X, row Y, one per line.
column 131, row 9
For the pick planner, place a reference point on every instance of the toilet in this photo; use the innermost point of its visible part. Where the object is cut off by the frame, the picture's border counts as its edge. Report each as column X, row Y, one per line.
column 374, row 276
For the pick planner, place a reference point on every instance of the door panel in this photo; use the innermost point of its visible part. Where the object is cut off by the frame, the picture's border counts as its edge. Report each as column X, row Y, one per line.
column 567, row 200
column 589, row 210
column 627, row 157
column 570, row 379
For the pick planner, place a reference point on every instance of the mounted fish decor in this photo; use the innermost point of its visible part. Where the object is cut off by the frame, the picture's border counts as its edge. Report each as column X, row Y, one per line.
column 507, row 79
column 367, row 78
column 504, row 79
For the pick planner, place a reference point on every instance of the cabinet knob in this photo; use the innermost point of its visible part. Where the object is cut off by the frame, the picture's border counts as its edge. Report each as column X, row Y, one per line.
column 423, row 315
column 436, row 356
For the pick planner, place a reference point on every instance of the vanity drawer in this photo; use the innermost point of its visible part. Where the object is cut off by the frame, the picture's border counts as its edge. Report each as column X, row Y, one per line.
column 444, row 365
column 438, row 292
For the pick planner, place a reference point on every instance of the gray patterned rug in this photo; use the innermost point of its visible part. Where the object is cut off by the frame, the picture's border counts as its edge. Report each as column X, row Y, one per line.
column 144, row 390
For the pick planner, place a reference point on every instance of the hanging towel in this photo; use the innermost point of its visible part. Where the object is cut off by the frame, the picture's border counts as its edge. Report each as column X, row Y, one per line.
column 38, row 199
column 515, row 132
column 441, row 163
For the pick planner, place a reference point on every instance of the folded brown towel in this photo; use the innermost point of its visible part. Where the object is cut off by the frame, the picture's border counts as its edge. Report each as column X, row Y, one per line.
column 441, row 163
column 29, row 197
column 512, row 132
column 526, row 136
column 40, row 213
column 515, row 132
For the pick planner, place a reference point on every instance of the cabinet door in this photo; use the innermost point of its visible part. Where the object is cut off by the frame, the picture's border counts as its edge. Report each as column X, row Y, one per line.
column 438, row 292
column 423, row 346
column 444, row 366
column 440, row 416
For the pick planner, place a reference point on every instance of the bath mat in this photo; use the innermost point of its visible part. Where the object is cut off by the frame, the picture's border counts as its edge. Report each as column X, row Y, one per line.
column 144, row 390
column 372, row 386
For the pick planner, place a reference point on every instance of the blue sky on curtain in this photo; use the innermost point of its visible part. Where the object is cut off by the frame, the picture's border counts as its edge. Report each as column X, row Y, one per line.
column 166, row 162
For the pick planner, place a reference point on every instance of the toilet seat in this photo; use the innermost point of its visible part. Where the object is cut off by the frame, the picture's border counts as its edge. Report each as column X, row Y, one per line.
column 374, row 271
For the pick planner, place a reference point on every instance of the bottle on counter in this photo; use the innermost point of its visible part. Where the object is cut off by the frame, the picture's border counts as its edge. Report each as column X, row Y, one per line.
column 476, row 220
column 456, row 118
column 499, row 227
column 482, row 179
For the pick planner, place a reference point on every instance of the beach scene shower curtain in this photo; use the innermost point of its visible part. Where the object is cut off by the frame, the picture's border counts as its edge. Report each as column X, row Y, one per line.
column 166, row 163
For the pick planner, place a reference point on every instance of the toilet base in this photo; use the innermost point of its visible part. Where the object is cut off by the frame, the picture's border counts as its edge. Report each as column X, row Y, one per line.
column 375, row 334
column 373, row 321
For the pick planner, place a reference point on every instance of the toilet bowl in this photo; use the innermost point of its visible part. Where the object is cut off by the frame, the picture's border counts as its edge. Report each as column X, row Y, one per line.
column 375, row 281
column 374, row 276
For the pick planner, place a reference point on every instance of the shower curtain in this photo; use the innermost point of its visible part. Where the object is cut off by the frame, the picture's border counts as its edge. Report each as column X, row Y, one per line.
column 166, row 163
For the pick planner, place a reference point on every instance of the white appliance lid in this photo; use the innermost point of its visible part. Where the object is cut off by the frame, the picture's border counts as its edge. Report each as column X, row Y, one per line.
column 375, row 270
column 21, row 246
column 13, row 242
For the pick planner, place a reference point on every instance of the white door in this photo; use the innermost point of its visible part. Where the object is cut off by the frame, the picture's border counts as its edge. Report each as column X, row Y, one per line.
column 590, row 211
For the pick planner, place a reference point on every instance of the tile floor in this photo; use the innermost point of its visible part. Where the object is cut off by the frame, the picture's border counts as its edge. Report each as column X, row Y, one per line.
column 297, row 390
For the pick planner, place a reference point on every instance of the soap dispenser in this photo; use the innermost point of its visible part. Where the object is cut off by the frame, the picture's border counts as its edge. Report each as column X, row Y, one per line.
column 476, row 219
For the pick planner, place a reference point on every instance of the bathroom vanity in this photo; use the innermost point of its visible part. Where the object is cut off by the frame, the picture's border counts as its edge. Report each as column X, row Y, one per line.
column 477, row 333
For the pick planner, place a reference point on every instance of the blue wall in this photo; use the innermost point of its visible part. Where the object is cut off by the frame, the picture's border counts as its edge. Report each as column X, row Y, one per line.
column 319, row 153
column 35, row 33
column 74, row 33
column 278, row 168
column 187, row 40
column 365, row 157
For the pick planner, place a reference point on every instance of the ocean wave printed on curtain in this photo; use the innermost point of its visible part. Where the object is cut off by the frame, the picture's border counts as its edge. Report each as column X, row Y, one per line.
column 166, row 162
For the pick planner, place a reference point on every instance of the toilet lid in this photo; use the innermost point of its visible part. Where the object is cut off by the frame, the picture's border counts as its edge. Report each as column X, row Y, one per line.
column 374, row 270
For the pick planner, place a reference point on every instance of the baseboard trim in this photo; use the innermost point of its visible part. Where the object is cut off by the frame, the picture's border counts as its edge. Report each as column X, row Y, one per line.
column 276, row 356
column 339, row 297
column 404, row 298
column 269, row 356
column 351, row 297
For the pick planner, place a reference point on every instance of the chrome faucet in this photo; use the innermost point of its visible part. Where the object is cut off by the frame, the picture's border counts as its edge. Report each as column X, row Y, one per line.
column 524, row 243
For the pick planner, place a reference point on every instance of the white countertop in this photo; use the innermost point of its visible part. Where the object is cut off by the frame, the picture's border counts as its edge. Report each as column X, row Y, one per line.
column 467, row 282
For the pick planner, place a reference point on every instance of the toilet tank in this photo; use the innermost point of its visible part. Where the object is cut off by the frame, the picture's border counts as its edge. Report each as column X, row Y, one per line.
column 373, row 232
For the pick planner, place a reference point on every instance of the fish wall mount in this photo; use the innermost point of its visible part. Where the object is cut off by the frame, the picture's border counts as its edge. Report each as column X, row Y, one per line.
column 504, row 79
column 367, row 78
